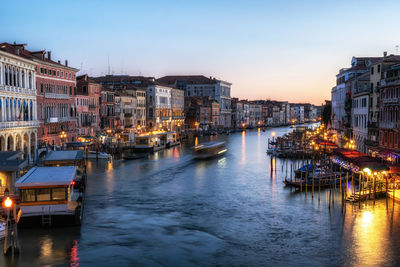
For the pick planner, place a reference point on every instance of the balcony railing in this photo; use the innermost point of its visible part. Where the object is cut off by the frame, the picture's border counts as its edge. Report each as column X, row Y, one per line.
column 58, row 119
column 390, row 100
column 56, row 96
column 15, row 124
column 388, row 125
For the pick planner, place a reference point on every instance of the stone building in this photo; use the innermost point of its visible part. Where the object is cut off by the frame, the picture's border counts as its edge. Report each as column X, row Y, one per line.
column 18, row 106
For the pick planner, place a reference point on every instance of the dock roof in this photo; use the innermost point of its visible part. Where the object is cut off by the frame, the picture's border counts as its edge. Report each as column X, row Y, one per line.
column 64, row 155
column 45, row 176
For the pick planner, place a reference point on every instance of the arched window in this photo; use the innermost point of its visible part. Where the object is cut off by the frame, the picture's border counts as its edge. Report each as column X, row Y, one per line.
column 30, row 80
column 6, row 75
column 14, row 75
column 17, row 75
column 23, row 78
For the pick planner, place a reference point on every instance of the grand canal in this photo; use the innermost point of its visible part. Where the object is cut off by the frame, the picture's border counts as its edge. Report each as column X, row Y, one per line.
column 171, row 210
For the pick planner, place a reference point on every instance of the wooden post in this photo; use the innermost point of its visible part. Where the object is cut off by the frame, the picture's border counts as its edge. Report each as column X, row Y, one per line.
column 313, row 173
column 340, row 181
column 347, row 181
column 387, row 184
column 359, row 190
column 319, row 187
column 301, row 180
column 352, row 184
column 374, row 190
column 394, row 191
column 306, row 179
column 291, row 171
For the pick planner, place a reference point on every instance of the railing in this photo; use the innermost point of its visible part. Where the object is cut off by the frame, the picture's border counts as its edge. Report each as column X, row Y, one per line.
column 58, row 119
column 56, row 96
column 390, row 100
column 14, row 124
column 18, row 89
column 388, row 125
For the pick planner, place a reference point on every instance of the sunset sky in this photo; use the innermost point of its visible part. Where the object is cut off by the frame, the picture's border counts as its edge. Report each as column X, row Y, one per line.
column 283, row 50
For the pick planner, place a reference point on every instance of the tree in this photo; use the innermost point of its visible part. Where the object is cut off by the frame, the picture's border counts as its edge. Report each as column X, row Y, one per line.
column 326, row 114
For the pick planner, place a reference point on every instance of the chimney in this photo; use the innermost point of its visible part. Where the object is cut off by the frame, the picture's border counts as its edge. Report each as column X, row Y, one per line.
column 59, row 62
column 66, row 62
column 384, row 53
column 49, row 55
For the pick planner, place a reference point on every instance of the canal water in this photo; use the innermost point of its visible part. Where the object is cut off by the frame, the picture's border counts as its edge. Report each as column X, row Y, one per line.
column 170, row 210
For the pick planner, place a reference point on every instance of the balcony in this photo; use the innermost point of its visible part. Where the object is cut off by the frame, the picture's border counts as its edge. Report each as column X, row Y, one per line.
column 388, row 125
column 17, row 124
column 58, row 119
column 92, row 106
column 128, row 115
column 390, row 100
column 56, row 96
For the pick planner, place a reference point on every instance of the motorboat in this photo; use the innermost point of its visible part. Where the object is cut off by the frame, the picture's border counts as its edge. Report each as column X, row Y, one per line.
column 132, row 156
column 97, row 155
column 209, row 150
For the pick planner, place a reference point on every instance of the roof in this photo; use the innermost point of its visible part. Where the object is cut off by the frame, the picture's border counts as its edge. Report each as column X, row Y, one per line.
column 189, row 79
column 19, row 50
column 63, row 155
column 41, row 176
column 12, row 161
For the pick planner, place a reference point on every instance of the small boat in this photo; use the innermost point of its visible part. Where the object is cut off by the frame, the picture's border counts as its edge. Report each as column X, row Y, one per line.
column 209, row 150
column 97, row 155
column 324, row 182
column 132, row 156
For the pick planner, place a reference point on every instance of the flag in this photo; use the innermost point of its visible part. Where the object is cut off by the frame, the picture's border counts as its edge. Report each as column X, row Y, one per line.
column 20, row 112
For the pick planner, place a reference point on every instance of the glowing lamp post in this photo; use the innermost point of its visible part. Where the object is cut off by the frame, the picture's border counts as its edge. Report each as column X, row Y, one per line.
column 11, row 231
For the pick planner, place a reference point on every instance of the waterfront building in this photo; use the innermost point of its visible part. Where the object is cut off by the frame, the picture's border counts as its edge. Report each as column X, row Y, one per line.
column 177, row 106
column 255, row 114
column 377, row 70
column 159, row 112
column 238, row 118
column 56, row 89
column 125, row 111
column 389, row 124
column 88, row 92
column 107, row 110
column 341, row 94
column 18, row 106
column 201, row 113
column 199, row 85
column 360, row 110
column 83, row 118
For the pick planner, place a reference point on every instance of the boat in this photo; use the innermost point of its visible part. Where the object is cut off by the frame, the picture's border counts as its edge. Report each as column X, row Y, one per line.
column 318, row 182
column 97, row 155
column 48, row 193
column 148, row 143
column 169, row 139
column 209, row 150
column 132, row 156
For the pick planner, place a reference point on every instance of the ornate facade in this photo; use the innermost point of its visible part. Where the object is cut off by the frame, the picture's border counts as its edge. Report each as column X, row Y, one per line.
column 18, row 117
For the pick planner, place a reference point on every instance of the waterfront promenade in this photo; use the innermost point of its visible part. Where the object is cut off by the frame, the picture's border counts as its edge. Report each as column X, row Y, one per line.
column 172, row 210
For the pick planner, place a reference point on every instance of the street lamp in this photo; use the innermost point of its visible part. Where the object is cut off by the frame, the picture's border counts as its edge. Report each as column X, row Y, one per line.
column 63, row 137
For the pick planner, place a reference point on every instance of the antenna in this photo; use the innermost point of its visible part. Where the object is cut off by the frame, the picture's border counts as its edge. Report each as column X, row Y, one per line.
column 108, row 58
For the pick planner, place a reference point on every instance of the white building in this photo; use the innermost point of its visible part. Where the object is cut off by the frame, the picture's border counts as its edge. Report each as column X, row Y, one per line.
column 199, row 85
column 18, row 116
column 159, row 109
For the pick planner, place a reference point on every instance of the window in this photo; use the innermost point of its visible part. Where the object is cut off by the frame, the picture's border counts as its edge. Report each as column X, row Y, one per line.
column 43, row 194
column 379, row 68
column 59, row 194
column 27, row 195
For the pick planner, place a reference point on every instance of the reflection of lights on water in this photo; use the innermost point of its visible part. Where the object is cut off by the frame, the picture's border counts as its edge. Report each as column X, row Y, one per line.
column 259, row 132
column 46, row 247
column 196, row 141
column 110, row 165
column 222, row 162
column 243, row 147
column 74, row 259
column 366, row 218
column 175, row 153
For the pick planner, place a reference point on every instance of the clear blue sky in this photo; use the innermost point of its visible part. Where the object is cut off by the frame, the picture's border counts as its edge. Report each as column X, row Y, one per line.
column 267, row 49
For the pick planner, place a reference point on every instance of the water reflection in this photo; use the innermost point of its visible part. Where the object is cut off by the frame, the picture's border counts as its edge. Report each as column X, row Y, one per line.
column 174, row 211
